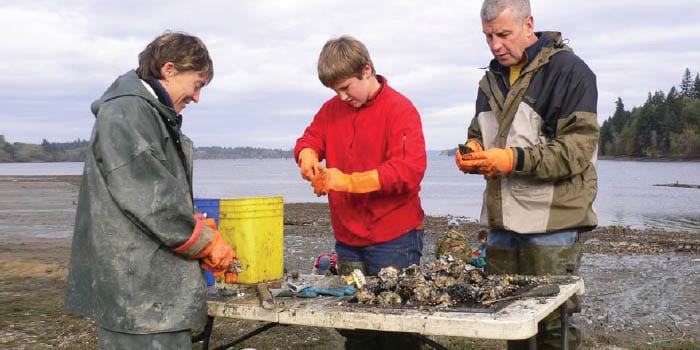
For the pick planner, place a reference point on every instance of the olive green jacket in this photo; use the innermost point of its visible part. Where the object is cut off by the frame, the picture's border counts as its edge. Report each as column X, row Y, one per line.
column 135, row 205
column 549, row 119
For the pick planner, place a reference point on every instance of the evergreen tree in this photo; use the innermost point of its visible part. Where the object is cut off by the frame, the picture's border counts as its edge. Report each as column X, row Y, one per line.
column 49, row 149
column 9, row 151
column 612, row 128
column 646, row 126
column 606, row 139
column 674, row 120
column 621, row 117
column 687, row 84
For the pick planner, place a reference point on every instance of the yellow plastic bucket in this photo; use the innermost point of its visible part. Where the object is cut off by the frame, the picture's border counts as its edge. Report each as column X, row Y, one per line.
column 255, row 227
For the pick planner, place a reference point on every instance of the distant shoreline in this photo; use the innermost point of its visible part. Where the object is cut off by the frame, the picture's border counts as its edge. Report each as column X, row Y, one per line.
column 642, row 159
column 678, row 185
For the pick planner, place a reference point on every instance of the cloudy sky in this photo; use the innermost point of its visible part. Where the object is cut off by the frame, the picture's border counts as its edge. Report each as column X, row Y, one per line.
column 56, row 57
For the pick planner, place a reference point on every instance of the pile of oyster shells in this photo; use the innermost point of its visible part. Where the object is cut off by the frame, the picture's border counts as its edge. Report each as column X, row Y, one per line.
column 442, row 283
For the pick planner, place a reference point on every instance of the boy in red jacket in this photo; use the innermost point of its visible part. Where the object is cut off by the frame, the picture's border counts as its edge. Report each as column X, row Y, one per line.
column 371, row 138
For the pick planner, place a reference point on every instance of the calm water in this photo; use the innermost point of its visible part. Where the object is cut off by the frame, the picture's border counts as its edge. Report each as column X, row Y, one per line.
column 626, row 195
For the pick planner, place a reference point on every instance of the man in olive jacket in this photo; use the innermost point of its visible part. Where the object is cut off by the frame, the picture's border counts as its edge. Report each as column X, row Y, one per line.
column 534, row 137
column 134, row 265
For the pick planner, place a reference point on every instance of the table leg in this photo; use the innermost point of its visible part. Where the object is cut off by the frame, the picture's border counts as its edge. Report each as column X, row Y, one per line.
column 206, row 333
column 532, row 343
column 564, row 315
column 430, row 342
column 247, row 335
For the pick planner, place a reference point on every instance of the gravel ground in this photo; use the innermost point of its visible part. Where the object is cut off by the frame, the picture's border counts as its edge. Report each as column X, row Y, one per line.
column 642, row 286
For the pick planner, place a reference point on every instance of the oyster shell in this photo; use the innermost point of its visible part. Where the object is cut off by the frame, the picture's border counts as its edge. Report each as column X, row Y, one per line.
column 443, row 282
column 422, row 295
column 388, row 298
column 365, row 296
column 388, row 277
column 442, row 299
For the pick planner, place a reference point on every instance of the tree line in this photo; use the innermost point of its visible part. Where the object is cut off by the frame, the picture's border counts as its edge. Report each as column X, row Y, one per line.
column 45, row 152
column 667, row 125
column 217, row 152
column 75, row 151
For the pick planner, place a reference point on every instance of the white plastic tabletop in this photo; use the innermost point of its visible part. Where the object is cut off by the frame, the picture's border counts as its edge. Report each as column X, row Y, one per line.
column 517, row 320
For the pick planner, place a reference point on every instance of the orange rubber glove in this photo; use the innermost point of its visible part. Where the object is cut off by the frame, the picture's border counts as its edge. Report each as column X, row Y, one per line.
column 230, row 273
column 216, row 271
column 335, row 180
column 462, row 166
column 468, row 168
column 231, row 277
column 308, row 163
column 218, row 255
column 475, row 146
column 491, row 162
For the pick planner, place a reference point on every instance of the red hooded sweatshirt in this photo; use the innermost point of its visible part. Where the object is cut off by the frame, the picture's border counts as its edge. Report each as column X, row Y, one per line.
column 384, row 134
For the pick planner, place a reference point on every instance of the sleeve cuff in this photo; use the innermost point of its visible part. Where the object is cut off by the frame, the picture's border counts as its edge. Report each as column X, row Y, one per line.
column 519, row 159
column 201, row 236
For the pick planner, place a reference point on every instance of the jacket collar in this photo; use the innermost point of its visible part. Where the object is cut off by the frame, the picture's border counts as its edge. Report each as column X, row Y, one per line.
column 382, row 83
column 165, row 99
column 543, row 39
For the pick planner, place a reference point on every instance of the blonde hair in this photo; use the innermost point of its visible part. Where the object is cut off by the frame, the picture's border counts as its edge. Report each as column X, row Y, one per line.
column 186, row 52
column 342, row 58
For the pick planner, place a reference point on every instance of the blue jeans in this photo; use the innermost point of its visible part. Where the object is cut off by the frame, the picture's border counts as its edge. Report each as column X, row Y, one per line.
column 400, row 252
column 510, row 239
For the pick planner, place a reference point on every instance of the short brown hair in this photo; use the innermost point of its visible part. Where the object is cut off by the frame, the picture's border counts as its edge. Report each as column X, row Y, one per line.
column 483, row 234
column 342, row 58
column 186, row 52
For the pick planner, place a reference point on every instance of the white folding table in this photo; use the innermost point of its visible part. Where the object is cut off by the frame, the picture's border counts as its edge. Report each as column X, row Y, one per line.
column 517, row 320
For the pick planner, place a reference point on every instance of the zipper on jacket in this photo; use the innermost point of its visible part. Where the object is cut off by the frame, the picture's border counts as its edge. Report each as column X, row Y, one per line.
column 354, row 128
column 491, row 84
column 404, row 145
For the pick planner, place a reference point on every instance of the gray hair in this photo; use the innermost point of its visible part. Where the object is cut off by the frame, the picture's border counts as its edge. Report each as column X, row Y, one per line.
column 490, row 9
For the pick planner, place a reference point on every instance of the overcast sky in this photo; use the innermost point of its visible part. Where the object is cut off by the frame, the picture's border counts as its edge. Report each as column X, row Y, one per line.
column 56, row 57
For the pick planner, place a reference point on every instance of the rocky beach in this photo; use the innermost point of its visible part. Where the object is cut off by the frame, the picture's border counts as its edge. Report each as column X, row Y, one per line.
column 642, row 286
